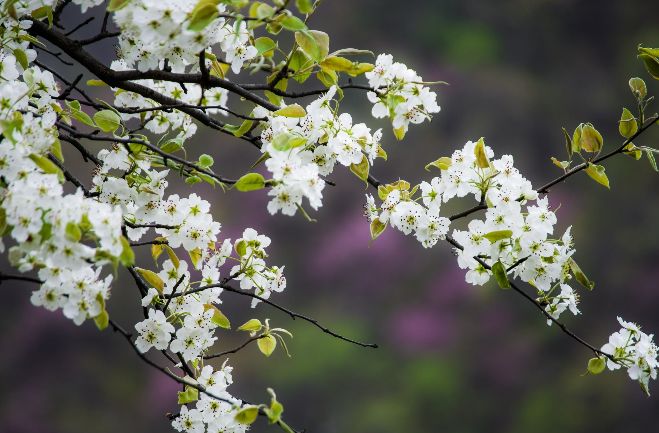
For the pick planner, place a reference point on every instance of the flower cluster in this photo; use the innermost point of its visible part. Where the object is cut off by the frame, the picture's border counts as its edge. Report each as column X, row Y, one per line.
column 399, row 94
column 635, row 350
column 212, row 415
column 126, row 180
column 153, row 31
column 516, row 230
column 68, row 238
column 174, row 122
column 302, row 149
column 192, row 306
column 400, row 210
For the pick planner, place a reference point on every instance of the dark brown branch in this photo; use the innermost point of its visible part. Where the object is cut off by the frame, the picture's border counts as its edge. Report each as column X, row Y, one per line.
column 9, row 277
column 235, row 349
column 545, row 188
column 291, row 313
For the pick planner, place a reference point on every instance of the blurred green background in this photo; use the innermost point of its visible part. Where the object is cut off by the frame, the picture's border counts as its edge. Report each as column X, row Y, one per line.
column 453, row 357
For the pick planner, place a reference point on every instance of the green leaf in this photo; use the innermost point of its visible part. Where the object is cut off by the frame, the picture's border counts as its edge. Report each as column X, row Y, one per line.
column 293, row 110
column 56, row 150
column 205, row 161
column 335, row 63
column 267, row 344
column 250, row 182
column 560, row 164
column 247, row 415
column 309, row 46
column 628, row 125
column 72, row 232
column 47, row 165
column 276, row 408
column 107, row 120
column 638, row 88
column 327, row 77
column 102, row 320
column 190, row 395
column 239, row 131
column 195, row 257
column 43, row 12
column 498, row 235
column 115, row 5
column 587, row 138
column 481, row 157
column 96, row 83
column 156, row 251
column 241, row 247
column 596, row 172
column 579, row 275
column 650, row 58
column 304, row 6
column 285, row 141
column 341, row 64
column 596, row 365
column 292, row 23
column 218, row 317
column 265, row 46
column 399, row 133
column 633, row 151
column 651, row 159
column 21, row 58
column 381, row 153
column 252, row 325
column 499, row 271
column 377, row 228
column 202, row 15
column 322, row 40
column 152, row 278
column 442, row 163
column 361, row 170
column 299, row 61
column 83, row 117
column 172, row 256
column 127, row 257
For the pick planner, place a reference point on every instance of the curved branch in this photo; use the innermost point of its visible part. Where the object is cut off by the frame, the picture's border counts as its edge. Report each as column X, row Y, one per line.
column 291, row 313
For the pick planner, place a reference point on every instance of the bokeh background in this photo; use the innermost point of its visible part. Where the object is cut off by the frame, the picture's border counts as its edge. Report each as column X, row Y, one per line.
column 452, row 357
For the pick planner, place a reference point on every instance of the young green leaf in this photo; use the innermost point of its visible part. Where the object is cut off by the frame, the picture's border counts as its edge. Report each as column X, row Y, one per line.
column 292, row 23
column 218, row 316
column 107, row 120
column 151, row 278
column 293, row 110
column 579, row 275
column 442, row 163
column 628, row 125
column 115, row 5
column 247, row 415
column 638, row 88
column 498, row 235
column 481, row 157
column 250, row 182
column 190, row 395
column 127, row 257
column 267, row 344
column 102, row 320
column 252, row 325
column 499, row 271
column 361, row 170
column 377, row 228
column 596, row 365
column 596, row 172
column 47, row 166
column 202, row 15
